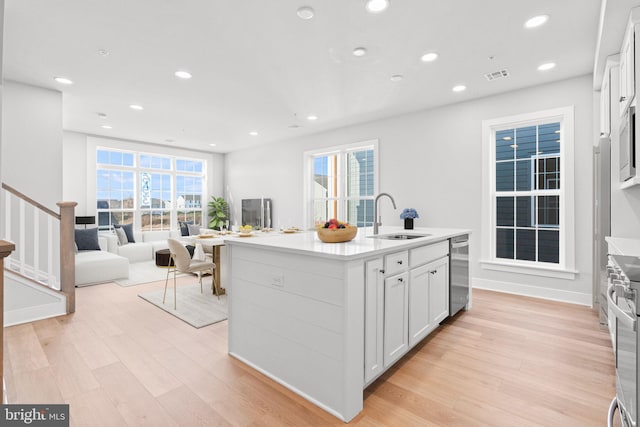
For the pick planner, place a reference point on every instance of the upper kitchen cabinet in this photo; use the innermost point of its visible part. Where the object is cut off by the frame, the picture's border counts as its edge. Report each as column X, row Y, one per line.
column 627, row 62
column 609, row 79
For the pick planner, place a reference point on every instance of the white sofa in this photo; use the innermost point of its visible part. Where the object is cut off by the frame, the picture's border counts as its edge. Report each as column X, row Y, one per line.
column 101, row 266
column 145, row 247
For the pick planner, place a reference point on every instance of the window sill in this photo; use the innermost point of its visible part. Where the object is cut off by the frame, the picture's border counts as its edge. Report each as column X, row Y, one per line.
column 555, row 272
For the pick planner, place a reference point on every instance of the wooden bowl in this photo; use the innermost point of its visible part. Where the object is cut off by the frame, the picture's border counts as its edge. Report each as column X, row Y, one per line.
column 337, row 235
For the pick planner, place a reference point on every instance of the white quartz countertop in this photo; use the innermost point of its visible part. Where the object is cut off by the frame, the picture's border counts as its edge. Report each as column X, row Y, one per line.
column 623, row 246
column 361, row 246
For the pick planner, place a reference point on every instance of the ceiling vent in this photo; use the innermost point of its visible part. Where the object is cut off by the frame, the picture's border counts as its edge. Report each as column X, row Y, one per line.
column 497, row 75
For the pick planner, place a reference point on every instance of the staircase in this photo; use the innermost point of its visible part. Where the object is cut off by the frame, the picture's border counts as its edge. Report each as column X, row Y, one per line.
column 40, row 273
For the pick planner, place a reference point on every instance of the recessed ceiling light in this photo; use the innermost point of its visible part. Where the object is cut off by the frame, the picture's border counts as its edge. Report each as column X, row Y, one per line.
column 63, row 80
column 212, row 145
column 459, row 88
column 106, row 127
column 377, row 6
column 136, row 107
column 359, row 51
column 397, row 77
column 547, row 66
column 507, row 138
column 305, row 12
column 312, row 117
column 103, row 52
column 102, row 115
column 536, row 21
column 428, row 57
column 253, row 133
column 183, row 74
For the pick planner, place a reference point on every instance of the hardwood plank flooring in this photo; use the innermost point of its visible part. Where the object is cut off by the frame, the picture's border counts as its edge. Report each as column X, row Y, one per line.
column 510, row 361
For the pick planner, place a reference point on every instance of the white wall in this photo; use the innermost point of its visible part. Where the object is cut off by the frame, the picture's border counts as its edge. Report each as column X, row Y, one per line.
column 431, row 160
column 32, row 142
column 74, row 170
column 79, row 162
column 1, row 98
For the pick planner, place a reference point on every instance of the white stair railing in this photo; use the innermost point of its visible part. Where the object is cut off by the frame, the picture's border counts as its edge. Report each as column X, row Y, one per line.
column 44, row 240
column 35, row 230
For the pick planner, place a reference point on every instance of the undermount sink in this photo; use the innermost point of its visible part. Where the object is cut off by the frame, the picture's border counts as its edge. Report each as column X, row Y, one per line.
column 399, row 236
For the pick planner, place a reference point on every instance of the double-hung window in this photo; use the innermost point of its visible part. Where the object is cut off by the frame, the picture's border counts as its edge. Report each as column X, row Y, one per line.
column 528, row 188
column 341, row 183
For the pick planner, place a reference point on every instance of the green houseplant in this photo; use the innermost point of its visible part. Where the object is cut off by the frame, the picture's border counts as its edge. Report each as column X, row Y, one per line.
column 218, row 212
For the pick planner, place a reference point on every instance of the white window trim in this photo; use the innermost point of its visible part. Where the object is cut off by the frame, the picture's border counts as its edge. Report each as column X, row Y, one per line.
column 308, row 157
column 138, row 211
column 566, row 268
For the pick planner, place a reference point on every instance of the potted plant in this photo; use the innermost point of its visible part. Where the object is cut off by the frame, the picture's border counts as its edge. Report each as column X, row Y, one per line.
column 409, row 214
column 218, row 213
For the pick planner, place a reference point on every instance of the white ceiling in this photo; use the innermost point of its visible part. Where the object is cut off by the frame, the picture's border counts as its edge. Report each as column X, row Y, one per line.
column 258, row 67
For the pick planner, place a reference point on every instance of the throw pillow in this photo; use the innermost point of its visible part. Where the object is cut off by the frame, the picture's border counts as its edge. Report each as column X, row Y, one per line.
column 191, row 250
column 128, row 230
column 194, row 230
column 87, row 240
column 184, row 227
column 122, row 236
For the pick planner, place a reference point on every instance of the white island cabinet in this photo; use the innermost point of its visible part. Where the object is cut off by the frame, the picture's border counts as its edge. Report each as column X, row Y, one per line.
column 326, row 319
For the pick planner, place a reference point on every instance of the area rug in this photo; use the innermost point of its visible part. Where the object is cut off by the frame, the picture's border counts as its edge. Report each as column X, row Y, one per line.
column 143, row 272
column 195, row 308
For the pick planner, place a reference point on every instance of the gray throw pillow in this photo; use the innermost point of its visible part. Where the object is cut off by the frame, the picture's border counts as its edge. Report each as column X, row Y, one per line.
column 122, row 237
column 128, row 229
column 184, row 227
column 87, row 240
column 194, row 230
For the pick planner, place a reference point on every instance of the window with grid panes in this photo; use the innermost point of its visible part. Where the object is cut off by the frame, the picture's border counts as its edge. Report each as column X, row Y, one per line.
column 342, row 184
column 528, row 193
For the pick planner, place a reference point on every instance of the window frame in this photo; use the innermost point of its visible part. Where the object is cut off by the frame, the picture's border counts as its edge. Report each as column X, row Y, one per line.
column 566, row 267
column 342, row 198
column 137, row 169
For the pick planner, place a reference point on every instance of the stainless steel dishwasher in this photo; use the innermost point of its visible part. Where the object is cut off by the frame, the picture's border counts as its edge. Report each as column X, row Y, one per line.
column 459, row 273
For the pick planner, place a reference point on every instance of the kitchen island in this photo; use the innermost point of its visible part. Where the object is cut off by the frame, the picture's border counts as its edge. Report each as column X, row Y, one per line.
column 327, row 319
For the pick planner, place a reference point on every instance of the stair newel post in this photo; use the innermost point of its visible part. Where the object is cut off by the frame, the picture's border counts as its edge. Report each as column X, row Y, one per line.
column 68, row 253
column 5, row 250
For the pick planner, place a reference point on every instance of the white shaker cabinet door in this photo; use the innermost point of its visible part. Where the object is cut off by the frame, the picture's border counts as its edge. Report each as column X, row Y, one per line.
column 439, row 291
column 373, row 320
column 396, row 336
column 419, row 318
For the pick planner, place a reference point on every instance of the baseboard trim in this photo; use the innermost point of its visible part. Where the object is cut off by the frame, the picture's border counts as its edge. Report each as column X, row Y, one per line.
column 533, row 291
column 31, row 314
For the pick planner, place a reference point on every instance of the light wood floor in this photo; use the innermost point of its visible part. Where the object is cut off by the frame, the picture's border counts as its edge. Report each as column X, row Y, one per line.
column 510, row 361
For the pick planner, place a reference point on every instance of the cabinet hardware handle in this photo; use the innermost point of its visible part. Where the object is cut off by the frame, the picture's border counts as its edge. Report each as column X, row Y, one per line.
column 381, row 270
column 623, row 98
column 400, row 279
column 433, row 272
column 400, row 262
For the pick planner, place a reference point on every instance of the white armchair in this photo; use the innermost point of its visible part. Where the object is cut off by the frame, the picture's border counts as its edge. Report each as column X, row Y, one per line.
column 182, row 263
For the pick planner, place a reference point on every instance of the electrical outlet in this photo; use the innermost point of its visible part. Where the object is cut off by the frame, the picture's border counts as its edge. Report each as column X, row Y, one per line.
column 278, row 280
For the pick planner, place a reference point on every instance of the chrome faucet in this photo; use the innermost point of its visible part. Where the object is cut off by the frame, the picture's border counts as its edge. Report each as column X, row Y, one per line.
column 378, row 221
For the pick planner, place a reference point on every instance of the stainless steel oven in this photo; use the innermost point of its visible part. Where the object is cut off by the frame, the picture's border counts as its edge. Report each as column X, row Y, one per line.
column 623, row 298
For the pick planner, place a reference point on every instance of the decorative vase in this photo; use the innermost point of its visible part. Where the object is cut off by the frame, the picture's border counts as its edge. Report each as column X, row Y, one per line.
column 408, row 223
